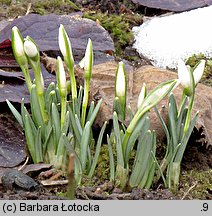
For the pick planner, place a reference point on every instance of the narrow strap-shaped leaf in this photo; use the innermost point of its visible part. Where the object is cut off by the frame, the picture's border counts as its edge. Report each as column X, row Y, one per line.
column 38, row 146
column 112, row 164
column 51, row 99
column 78, row 124
column 66, row 123
column 131, row 114
column 96, row 110
column 79, row 98
column 97, row 150
column 30, row 138
column 181, row 150
column 23, row 113
column 141, row 160
column 172, row 125
column 134, row 137
column 35, row 108
column 15, row 112
column 74, row 126
column 172, row 101
column 48, row 140
column 91, row 109
column 84, row 144
column 56, row 121
column 182, row 116
column 120, row 157
column 48, row 97
column 165, row 130
column 50, row 88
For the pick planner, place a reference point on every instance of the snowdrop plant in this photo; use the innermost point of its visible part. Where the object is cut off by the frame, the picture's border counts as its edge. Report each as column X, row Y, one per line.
column 142, row 171
column 20, row 56
column 180, row 125
column 120, row 91
column 53, row 129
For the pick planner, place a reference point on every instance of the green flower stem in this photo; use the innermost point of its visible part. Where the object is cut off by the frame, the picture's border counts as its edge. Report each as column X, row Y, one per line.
column 85, row 101
column 27, row 77
column 188, row 117
column 70, row 66
column 63, row 110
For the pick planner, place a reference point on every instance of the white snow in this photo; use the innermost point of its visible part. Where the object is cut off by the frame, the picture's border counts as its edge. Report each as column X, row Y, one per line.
column 164, row 40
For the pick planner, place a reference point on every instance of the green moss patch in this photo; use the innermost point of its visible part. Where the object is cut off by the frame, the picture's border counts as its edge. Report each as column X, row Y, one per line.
column 119, row 27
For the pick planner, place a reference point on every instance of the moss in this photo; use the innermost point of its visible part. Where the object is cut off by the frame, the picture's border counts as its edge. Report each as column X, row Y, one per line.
column 103, row 166
column 119, row 27
column 197, row 184
column 40, row 7
column 6, row 2
column 207, row 77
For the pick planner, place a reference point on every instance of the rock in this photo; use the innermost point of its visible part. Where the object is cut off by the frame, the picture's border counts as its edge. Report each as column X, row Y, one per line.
column 102, row 86
column 173, row 5
column 44, row 30
column 13, row 179
column 163, row 40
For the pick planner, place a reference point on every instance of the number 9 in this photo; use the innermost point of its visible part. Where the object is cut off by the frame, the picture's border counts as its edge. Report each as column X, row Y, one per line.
column 205, row 206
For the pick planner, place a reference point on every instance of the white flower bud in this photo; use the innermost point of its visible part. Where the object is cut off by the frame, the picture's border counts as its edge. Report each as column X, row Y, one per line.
column 64, row 43
column 198, row 72
column 18, row 46
column 61, row 75
column 30, row 48
column 120, row 81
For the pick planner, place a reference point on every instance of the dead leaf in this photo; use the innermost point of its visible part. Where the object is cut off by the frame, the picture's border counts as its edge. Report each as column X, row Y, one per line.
column 44, row 30
column 32, row 168
column 13, row 87
column 173, row 5
column 12, row 146
column 55, row 182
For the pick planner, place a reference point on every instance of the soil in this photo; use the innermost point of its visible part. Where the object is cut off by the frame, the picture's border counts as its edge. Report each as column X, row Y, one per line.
column 196, row 179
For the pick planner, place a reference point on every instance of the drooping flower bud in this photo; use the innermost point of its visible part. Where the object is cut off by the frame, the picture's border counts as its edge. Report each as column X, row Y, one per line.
column 31, row 49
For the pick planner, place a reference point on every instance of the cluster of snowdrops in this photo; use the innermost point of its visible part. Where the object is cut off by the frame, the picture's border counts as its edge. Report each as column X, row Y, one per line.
column 60, row 120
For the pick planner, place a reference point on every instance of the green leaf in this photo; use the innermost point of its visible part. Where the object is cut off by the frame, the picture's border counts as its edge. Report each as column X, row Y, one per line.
column 166, row 131
column 74, row 126
column 48, row 140
column 112, row 165
column 142, row 158
column 61, row 155
column 84, row 144
column 157, row 94
column 79, row 99
column 97, row 150
column 120, row 157
column 16, row 114
column 56, row 122
column 30, row 138
column 78, row 124
column 134, row 137
column 38, row 146
column 172, row 126
column 91, row 109
column 35, row 108
column 181, row 150
column 96, row 110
